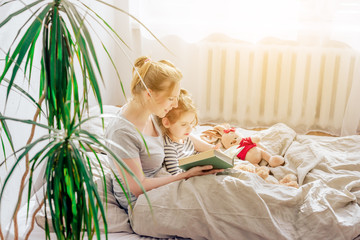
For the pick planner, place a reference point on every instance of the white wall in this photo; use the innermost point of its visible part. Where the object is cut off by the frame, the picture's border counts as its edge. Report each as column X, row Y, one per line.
column 123, row 56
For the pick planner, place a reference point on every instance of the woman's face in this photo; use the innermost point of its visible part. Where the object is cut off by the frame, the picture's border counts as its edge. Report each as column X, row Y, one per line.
column 164, row 102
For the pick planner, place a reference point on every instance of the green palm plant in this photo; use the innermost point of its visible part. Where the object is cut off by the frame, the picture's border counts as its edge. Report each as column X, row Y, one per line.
column 68, row 61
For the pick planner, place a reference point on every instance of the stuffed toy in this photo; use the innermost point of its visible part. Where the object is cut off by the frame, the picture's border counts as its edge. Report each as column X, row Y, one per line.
column 289, row 180
column 250, row 150
column 261, row 171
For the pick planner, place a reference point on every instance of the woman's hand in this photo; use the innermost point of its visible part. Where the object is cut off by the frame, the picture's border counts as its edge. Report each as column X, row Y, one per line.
column 200, row 170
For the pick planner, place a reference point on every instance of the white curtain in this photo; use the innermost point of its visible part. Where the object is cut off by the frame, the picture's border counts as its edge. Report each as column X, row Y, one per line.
column 334, row 23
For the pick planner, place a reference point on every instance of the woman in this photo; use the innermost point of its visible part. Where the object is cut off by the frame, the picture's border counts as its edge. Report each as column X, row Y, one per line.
column 155, row 93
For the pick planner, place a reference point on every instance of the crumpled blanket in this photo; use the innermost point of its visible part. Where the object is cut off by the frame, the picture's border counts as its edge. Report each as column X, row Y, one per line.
column 241, row 205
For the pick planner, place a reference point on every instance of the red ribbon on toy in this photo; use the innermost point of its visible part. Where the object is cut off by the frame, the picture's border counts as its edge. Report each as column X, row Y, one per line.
column 229, row 130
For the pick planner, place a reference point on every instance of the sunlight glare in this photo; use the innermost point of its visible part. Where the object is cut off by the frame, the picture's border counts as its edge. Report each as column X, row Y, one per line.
column 242, row 19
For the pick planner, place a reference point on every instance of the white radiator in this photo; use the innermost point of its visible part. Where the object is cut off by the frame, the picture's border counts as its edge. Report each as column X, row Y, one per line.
column 259, row 85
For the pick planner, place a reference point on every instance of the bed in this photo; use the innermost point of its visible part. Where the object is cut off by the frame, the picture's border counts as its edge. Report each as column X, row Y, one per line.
column 240, row 205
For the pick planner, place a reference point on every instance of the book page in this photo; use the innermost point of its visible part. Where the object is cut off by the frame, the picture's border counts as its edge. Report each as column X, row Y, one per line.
column 233, row 151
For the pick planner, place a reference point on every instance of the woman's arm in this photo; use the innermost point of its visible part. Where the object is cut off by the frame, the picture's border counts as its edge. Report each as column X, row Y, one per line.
column 151, row 183
column 200, row 145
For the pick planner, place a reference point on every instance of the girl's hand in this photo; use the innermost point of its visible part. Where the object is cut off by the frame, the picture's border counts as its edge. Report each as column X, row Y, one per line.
column 218, row 145
column 201, row 170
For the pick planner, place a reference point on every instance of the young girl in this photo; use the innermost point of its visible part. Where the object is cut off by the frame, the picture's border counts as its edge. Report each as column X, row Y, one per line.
column 178, row 140
column 155, row 88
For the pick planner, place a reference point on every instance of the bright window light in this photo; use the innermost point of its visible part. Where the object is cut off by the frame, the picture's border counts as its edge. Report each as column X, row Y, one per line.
column 310, row 21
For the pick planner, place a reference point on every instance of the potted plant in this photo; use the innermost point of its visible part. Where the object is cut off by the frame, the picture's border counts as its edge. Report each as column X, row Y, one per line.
column 69, row 71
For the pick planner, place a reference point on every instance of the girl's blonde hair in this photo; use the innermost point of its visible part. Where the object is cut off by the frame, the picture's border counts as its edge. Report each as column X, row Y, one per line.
column 156, row 75
column 185, row 104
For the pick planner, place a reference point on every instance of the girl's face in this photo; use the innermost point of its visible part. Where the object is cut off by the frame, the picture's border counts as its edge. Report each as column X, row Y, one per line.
column 164, row 102
column 181, row 129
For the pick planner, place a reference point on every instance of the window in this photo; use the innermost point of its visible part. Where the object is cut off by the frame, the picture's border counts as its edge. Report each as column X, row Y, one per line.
column 307, row 21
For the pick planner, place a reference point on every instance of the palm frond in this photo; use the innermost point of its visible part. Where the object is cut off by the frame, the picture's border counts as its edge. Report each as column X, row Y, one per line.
column 23, row 47
column 24, row 93
column 25, row 151
column 123, row 167
column 106, row 24
column 14, row 14
column 64, row 33
column 5, row 129
column 85, row 45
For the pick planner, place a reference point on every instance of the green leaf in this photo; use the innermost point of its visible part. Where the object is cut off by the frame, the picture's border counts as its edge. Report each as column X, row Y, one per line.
column 66, row 43
column 123, row 166
column 3, row 147
column 8, row 135
column 112, row 30
column 27, row 148
column 23, row 47
column 28, row 122
column 117, row 72
column 26, row 8
column 86, row 35
column 84, row 53
column 91, row 188
column 24, row 92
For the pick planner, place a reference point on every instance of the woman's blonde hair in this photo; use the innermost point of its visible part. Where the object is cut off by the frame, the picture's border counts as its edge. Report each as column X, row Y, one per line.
column 185, row 104
column 156, row 75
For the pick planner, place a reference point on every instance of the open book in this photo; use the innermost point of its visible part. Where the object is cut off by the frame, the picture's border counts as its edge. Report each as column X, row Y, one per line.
column 217, row 158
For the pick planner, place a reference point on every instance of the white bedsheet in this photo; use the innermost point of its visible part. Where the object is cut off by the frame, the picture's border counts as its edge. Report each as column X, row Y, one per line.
column 240, row 205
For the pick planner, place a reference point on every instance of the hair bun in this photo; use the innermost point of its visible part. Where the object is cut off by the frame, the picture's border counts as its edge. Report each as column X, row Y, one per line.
column 141, row 61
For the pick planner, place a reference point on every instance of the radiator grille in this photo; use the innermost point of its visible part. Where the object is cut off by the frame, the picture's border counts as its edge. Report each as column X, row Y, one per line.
column 260, row 85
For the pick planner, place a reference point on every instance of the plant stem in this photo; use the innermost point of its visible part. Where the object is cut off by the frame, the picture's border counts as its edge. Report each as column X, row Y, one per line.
column 1, row 234
column 33, row 219
column 27, row 163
